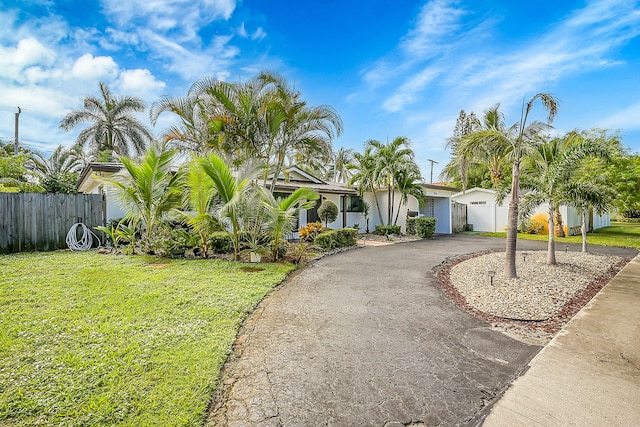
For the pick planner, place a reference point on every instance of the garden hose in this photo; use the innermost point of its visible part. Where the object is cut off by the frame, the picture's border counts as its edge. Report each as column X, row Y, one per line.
column 85, row 242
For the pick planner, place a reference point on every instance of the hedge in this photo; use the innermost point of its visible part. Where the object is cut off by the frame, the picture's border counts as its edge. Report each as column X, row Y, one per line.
column 423, row 227
column 387, row 230
column 333, row 239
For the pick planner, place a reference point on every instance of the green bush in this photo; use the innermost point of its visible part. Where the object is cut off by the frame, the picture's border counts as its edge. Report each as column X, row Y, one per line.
column 283, row 247
column 411, row 225
column 333, row 239
column 387, row 230
column 423, row 227
column 220, row 242
column 328, row 211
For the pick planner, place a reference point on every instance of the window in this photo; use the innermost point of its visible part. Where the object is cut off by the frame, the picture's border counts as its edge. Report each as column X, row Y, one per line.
column 355, row 204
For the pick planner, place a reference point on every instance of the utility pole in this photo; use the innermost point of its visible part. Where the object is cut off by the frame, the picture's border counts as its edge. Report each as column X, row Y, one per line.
column 15, row 144
column 432, row 163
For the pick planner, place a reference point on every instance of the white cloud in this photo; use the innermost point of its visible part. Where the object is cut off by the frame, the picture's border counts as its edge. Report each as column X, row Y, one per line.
column 28, row 52
column 438, row 18
column 88, row 67
column 139, row 82
column 183, row 16
column 410, row 90
column 258, row 34
column 627, row 118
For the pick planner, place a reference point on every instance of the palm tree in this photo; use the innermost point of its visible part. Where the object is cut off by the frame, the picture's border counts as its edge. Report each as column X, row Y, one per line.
column 295, row 127
column 390, row 159
column 549, row 171
column 340, row 171
column 197, row 204
column 152, row 188
column 408, row 184
column 233, row 191
column 113, row 126
column 59, row 172
column 280, row 215
column 586, row 197
column 364, row 176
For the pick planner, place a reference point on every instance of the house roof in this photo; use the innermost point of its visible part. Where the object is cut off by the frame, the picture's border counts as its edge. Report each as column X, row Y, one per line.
column 93, row 167
column 324, row 187
column 296, row 178
column 440, row 187
column 474, row 190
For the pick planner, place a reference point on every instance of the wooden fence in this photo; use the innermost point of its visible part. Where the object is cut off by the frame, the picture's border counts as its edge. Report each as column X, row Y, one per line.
column 40, row 222
column 458, row 217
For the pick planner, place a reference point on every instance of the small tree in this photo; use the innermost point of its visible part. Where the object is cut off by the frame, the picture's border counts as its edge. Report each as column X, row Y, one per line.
column 328, row 212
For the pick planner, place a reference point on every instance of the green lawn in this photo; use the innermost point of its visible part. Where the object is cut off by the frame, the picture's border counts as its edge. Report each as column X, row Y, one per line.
column 89, row 339
column 618, row 234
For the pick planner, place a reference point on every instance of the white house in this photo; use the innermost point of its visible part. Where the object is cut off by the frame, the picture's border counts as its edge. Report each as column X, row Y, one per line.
column 437, row 205
column 350, row 205
column 485, row 214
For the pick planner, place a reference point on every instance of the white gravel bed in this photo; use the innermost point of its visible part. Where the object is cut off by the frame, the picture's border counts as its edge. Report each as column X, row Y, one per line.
column 540, row 290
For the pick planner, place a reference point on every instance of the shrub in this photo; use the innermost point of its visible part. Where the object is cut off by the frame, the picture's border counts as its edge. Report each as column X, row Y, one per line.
column 309, row 232
column 387, row 230
column 328, row 211
column 333, row 239
column 424, row 226
column 283, row 247
column 220, row 242
column 411, row 226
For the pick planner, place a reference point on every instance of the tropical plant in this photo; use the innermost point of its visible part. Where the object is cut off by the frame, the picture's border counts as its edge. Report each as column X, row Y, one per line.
column 152, row 189
column 280, row 214
column 233, row 192
column 408, row 184
column 262, row 119
column 458, row 168
column 14, row 175
column 364, row 176
column 112, row 126
column 58, row 173
column 390, row 159
column 340, row 171
column 547, row 172
column 309, row 232
column 197, row 204
column 328, row 212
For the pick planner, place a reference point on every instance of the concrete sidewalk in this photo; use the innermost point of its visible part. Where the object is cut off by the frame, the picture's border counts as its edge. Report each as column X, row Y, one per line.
column 589, row 374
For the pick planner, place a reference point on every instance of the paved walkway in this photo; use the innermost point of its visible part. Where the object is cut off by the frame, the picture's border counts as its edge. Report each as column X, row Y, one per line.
column 589, row 375
column 367, row 338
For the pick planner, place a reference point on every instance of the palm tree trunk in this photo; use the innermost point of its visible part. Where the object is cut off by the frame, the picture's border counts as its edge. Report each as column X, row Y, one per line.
column 551, row 246
column 395, row 221
column 583, row 230
column 512, row 225
column 389, row 206
column 375, row 197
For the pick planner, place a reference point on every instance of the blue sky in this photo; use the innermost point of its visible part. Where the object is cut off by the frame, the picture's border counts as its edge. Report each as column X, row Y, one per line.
column 389, row 68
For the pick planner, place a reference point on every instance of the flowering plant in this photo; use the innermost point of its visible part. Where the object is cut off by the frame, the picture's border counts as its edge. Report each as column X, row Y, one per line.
column 309, row 232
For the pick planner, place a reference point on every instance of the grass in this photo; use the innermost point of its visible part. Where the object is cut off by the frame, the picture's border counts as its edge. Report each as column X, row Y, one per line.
column 89, row 339
column 618, row 234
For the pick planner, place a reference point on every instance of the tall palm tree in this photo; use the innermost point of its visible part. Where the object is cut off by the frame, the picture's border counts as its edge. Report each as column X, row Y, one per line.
column 408, row 184
column 390, row 159
column 341, row 159
column 233, row 191
column 280, row 215
column 551, row 169
column 152, row 189
column 112, row 124
column 363, row 178
column 295, row 127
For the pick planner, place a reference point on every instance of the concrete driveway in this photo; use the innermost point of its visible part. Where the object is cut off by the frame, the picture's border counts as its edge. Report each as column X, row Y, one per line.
column 367, row 338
